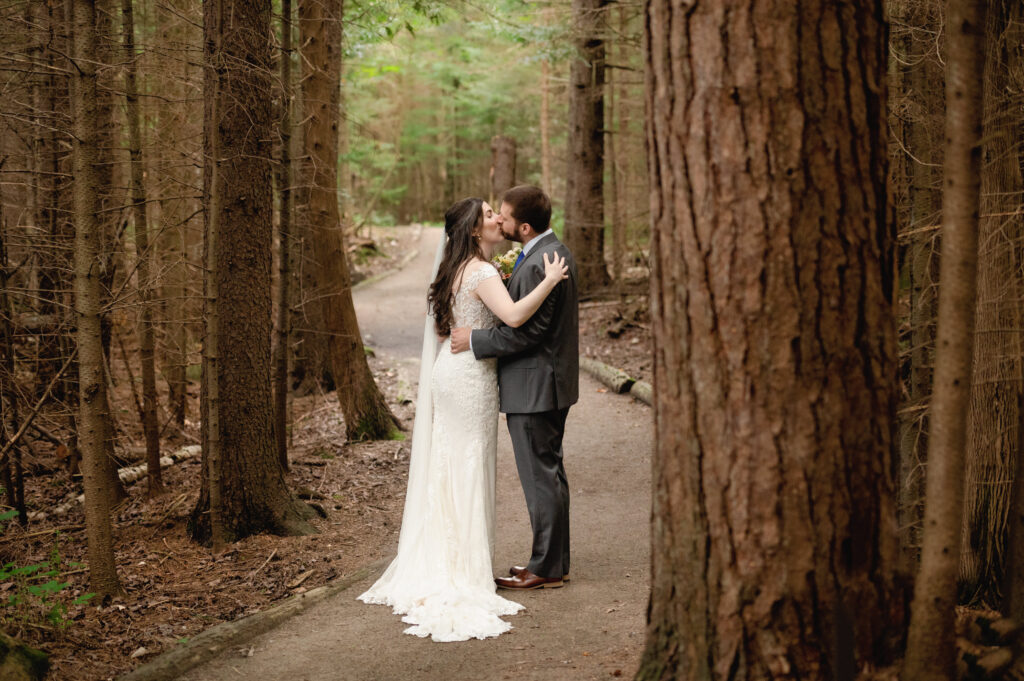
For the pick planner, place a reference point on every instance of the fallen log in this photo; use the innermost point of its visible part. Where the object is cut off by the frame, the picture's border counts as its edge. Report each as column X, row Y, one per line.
column 128, row 475
column 643, row 391
column 619, row 381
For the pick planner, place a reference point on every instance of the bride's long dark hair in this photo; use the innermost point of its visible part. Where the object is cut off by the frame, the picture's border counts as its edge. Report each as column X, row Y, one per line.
column 459, row 222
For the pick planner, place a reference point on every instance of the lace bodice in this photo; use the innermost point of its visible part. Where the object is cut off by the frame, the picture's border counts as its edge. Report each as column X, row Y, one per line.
column 469, row 310
column 448, row 523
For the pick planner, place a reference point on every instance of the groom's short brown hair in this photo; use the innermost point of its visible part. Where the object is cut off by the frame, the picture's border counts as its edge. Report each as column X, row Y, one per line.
column 529, row 204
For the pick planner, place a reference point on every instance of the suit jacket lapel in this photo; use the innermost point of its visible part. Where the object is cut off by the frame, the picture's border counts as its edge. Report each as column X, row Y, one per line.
column 534, row 253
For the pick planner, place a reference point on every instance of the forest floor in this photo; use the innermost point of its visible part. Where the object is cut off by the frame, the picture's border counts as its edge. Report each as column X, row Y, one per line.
column 176, row 589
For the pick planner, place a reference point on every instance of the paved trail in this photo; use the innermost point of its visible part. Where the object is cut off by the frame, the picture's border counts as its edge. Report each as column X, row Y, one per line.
column 590, row 629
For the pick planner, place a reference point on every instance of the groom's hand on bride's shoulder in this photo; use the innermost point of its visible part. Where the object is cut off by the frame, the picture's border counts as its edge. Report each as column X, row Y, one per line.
column 460, row 339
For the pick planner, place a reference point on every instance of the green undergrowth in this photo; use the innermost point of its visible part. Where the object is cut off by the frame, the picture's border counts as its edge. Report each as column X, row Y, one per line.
column 36, row 593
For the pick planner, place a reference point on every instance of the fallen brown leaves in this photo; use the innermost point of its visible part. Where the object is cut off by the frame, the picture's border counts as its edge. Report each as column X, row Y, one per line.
column 176, row 588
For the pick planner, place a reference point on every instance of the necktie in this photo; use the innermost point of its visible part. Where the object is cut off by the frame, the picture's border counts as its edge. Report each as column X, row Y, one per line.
column 518, row 260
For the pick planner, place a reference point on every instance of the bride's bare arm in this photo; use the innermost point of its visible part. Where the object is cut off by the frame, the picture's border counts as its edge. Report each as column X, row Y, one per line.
column 514, row 313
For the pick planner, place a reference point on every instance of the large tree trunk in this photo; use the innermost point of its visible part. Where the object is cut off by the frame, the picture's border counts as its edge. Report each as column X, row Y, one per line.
column 93, row 410
column 993, row 442
column 366, row 413
column 145, row 287
column 239, row 190
column 931, row 647
column 774, row 539
column 584, row 200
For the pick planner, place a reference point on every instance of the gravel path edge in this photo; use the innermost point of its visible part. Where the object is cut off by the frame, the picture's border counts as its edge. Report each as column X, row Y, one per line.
column 215, row 640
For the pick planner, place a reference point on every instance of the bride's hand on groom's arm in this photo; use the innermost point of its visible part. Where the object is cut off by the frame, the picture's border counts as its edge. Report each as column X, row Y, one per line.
column 460, row 339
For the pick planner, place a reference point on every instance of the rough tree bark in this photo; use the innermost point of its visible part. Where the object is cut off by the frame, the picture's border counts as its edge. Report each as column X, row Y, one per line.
column 584, row 177
column 931, row 647
column 238, row 129
column 774, row 550
column 93, row 428
column 993, row 441
column 1007, row 64
column 145, row 286
column 366, row 413
column 107, row 251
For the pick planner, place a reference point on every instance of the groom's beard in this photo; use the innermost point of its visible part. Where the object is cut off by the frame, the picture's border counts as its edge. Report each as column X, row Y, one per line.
column 514, row 236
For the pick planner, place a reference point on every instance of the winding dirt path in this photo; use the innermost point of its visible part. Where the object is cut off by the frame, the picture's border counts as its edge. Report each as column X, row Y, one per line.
column 591, row 629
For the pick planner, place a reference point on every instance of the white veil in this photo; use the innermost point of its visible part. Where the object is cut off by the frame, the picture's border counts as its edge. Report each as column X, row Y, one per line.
column 443, row 591
column 416, row 492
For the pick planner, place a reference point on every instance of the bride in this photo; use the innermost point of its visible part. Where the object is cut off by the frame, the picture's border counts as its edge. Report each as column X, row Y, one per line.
column 441, row 580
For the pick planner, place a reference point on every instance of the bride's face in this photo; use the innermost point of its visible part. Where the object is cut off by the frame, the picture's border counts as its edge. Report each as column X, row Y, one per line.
column 490, row 231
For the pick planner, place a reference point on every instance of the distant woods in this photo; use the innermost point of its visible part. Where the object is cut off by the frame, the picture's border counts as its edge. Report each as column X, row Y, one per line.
column 182, row 183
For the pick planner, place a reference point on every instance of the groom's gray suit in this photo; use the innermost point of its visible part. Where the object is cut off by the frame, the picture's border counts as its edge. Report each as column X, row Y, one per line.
column 538, row 380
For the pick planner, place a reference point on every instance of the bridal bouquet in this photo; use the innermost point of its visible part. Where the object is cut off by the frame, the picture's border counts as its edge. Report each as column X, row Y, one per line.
column 507, row 262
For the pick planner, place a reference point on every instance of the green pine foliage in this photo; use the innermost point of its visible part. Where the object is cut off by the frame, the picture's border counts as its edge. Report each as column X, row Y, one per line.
column 426, row 87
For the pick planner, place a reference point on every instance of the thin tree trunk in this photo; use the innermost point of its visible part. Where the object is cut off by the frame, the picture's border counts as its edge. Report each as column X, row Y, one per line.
column 545, row 126
column 584, row 201
column 614, row 130
column 503, row 166
column 171, row 243
column 774, row 546
column 993, row 441
column 52, row 277
column 211, row 342
column 284, row 274
column 93, row 410
column 1007, row 56
column 14, row 483
column 931, row 647
column 922, row 103
column 109, row 216
column 367, row 415
column 146, row 342
column 238, row 134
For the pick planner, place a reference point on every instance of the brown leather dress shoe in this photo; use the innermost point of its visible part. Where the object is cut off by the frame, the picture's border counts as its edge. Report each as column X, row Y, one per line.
column 527, row 580
column 516, row 569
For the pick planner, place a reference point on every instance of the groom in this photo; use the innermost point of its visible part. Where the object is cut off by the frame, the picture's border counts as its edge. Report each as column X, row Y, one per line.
column 538, row 380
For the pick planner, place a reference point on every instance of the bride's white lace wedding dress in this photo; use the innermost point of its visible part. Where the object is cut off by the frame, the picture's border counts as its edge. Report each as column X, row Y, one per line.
column 441, row 580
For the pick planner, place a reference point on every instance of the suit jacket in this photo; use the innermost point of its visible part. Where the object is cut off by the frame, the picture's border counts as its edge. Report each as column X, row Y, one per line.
column 539, row 362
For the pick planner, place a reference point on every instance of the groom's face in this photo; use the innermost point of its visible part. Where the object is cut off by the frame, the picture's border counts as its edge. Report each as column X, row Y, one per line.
column 508, row 225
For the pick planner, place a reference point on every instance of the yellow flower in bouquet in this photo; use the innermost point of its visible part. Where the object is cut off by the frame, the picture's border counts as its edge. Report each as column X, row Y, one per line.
column 507, row 262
